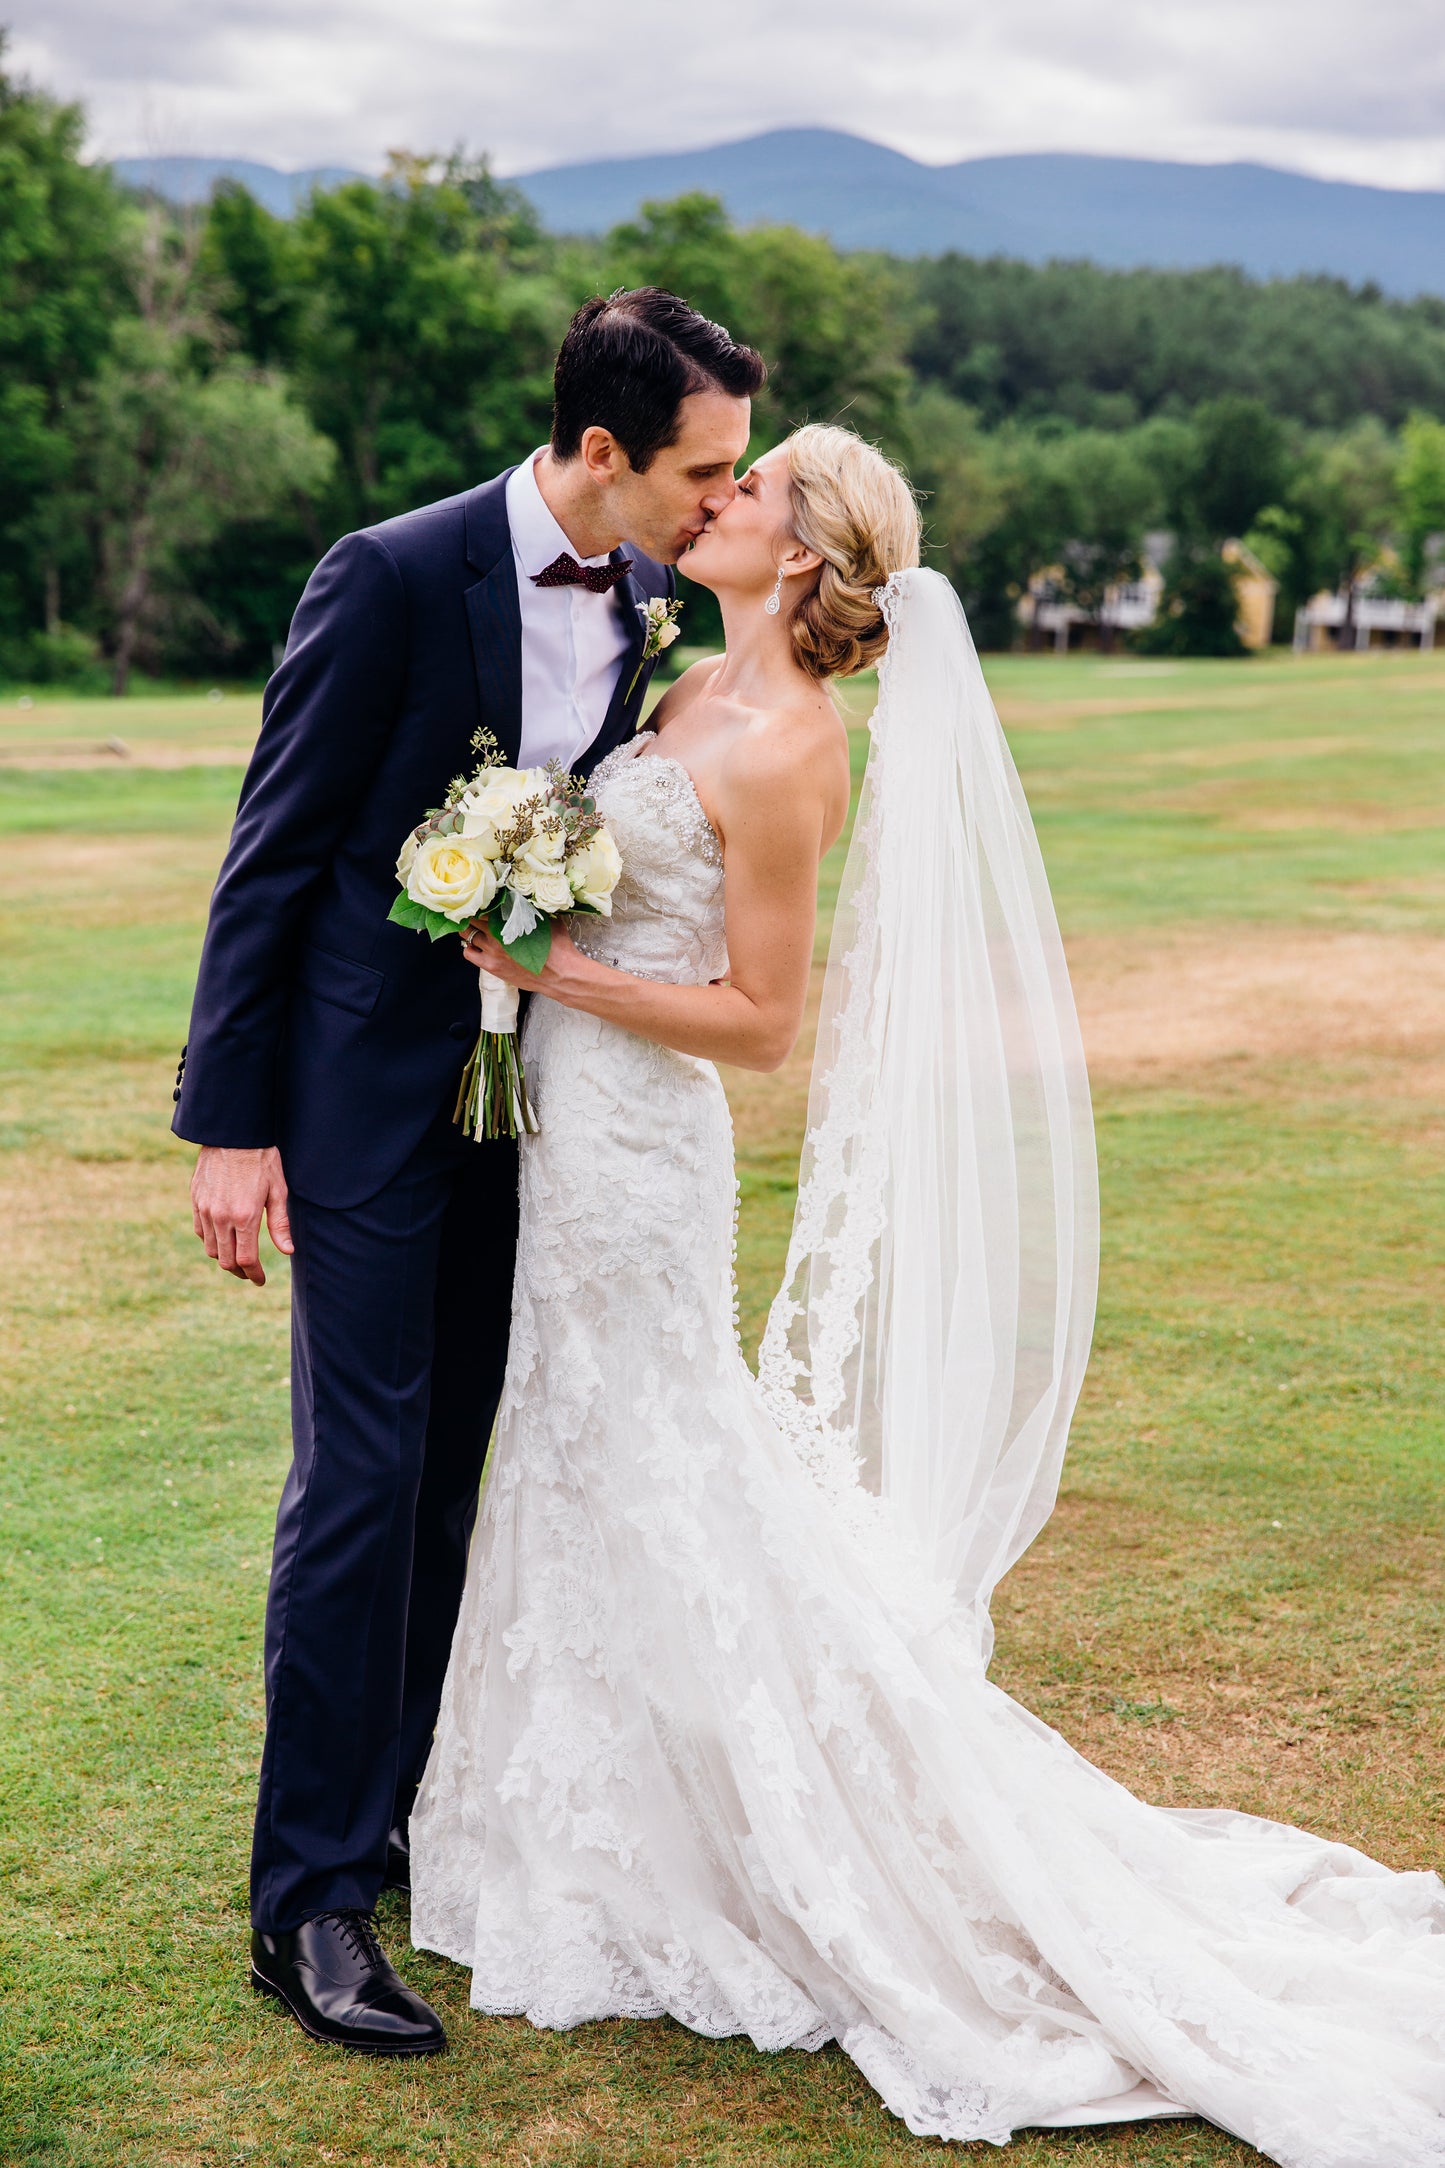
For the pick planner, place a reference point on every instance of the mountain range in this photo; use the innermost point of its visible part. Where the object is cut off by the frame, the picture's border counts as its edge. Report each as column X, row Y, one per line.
column 190, row 180
column 1116, row 211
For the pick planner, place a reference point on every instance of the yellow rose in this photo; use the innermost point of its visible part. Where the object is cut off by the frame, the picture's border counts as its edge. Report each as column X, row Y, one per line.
column 595, row 870
column 452, row 875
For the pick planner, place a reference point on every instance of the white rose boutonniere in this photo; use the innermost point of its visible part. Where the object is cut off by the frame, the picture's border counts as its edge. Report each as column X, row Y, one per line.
column 659, row 630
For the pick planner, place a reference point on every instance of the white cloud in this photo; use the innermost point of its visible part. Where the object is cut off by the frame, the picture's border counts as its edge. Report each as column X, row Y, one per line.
column 1312, row 84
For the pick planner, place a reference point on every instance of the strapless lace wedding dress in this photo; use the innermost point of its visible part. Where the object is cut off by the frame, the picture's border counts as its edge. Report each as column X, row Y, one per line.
column 700, row 1754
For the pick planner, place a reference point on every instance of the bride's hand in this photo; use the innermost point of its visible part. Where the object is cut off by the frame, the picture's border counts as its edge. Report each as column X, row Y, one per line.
column 560, row 974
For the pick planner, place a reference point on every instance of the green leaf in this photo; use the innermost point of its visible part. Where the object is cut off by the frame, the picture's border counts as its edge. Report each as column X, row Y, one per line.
column 416, row 916
column 531, row 950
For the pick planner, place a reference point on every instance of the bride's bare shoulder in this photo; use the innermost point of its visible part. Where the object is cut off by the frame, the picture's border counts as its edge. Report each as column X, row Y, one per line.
column 685, row 689
column 791, row 763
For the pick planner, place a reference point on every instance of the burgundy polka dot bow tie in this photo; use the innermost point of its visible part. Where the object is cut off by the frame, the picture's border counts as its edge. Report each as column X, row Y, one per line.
column 564, row 571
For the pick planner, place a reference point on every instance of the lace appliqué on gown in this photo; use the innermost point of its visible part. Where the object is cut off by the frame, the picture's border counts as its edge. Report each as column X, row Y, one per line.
column 702, row 1754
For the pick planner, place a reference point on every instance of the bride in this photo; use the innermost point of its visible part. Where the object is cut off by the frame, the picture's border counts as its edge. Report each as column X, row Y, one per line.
column 718, row 1739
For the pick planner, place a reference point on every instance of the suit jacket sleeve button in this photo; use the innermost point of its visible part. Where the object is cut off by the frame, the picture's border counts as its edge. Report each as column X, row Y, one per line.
column 462, row 1031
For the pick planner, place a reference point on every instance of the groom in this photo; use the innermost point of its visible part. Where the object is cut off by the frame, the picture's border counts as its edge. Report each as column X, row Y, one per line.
column 326, row 1047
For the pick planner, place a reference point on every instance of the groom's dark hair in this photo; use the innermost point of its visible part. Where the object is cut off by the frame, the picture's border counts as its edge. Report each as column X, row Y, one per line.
column 628, row 362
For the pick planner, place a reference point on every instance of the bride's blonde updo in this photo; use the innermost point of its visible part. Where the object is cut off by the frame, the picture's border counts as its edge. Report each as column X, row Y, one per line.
column 854, row 508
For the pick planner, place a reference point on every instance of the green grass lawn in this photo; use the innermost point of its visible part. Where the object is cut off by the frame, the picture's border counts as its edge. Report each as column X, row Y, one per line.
column 1237, row 1601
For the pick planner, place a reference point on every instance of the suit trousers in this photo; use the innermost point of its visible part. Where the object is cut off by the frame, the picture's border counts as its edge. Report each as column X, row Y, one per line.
column 400, row 1310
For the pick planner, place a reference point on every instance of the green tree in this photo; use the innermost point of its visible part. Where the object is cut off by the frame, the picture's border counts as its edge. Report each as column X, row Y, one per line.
column 1217, row 475
column 1421, row 486
column 1003, row 505
column 423, row 353
column 997, row 509
column 174, row 440
column 255, row 266
column 1240, row 464
column 1104, row 347
column 827, row 325
column 62, row 288
column 689, row 247
column 502, row 218
column 1198, row 608
column 961, row 488
column 1110, row 496
column 1344, row 496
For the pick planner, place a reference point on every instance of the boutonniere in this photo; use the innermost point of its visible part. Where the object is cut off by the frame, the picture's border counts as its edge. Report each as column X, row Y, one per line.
column 659, row 630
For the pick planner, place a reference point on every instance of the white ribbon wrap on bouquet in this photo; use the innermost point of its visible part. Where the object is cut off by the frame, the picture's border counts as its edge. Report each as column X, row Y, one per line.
column 499, row 1004
column 931, row 1335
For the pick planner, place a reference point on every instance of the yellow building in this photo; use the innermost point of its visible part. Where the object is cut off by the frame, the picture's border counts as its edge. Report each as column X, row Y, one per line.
column 1255, row 590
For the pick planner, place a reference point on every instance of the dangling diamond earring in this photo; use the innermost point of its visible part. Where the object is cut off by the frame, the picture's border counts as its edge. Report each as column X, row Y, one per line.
column 774, row 602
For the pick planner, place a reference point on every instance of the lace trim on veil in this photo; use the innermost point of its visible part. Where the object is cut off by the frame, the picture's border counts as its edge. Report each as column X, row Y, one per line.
column 928, row 1342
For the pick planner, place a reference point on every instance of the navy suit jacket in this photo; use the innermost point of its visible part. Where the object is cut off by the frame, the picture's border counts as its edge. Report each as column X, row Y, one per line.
column 317, row 1025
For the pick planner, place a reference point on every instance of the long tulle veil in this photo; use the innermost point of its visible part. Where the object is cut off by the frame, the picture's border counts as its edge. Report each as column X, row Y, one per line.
column 931, row 1334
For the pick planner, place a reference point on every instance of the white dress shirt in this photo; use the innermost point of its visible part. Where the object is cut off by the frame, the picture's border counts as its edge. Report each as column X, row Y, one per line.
column 573, row 642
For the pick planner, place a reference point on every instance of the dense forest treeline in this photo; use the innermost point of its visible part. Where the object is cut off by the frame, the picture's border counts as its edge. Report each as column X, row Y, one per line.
column 1111, row 347
column 193, row 406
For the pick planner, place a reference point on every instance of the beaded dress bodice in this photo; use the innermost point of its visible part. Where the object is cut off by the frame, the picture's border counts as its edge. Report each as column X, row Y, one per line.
column 667, row 909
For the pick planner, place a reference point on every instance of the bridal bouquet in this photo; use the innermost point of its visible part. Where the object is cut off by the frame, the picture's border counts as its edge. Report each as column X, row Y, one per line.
column 516, row 847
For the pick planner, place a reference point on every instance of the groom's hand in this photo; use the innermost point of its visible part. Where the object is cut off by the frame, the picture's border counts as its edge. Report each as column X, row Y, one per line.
column 230, row 1191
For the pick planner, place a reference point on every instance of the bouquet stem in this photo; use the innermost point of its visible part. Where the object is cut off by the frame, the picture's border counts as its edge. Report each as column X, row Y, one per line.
column 492, row 1100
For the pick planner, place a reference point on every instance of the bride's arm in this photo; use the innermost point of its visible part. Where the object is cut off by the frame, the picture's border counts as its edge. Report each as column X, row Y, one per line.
column 777, row 820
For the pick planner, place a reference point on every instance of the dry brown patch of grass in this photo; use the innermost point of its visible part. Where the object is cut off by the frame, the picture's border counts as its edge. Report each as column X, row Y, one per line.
column 1018, row 710
column 1346, row 820
column 79, row 871
column 1156, row 1006
column 139, row 753
column 1321, row 1703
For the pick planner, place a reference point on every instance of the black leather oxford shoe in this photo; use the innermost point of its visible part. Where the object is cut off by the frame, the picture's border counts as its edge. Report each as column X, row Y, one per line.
column 398, row 1860
column 334, row 1978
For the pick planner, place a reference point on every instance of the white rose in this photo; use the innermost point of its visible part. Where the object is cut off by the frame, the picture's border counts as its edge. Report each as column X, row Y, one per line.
column 489, row 808
column 406, row 856
column 452, row 875
column 595, row 870
column 552, row 892
column 539, row 856
column 665, row 635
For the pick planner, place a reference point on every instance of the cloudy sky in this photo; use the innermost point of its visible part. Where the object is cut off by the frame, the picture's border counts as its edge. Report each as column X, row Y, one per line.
column 1323, row 86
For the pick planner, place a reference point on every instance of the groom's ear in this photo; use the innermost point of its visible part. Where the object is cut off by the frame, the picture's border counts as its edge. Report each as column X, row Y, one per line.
column 602, row 455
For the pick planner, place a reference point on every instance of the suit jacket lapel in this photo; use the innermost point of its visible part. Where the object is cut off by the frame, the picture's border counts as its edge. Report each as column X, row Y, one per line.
column 623, row 709
column 494, row 615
